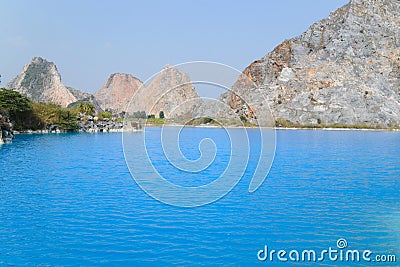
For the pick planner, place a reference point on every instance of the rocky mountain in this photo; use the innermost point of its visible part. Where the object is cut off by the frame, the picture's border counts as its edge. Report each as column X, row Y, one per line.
column 170, row 91
column 117, row 91
column 344, row 69
column 40, row 81
column 78, row 94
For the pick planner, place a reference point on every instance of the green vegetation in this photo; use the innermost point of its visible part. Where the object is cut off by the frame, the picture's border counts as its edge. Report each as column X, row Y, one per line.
column 51, row 114
column 161, row 115
column 86, row 108
column 25, row 114
column 155, row 121
column 13, row 103
column 288, row 124
column 285, row 123
column 17, row 107
column 104, row 115
column 245, row 122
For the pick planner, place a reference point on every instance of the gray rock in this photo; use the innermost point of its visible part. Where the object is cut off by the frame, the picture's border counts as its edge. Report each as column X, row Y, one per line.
column 343, row 69
column 40, row 81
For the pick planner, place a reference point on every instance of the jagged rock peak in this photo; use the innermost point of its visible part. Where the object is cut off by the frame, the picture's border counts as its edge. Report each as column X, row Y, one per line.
column 40, row 81
column 117, row 91
column 119, row 78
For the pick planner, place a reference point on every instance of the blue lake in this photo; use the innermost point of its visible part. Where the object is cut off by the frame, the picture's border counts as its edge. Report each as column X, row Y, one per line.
column 69, row 199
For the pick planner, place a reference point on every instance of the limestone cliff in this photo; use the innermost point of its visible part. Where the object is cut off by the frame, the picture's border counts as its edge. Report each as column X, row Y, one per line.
column 117, row 91
column 170, row 91
column 41, row 82
column 343, row 69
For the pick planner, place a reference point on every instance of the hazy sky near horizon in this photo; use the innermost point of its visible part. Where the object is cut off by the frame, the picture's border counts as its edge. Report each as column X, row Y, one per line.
column 89, row 40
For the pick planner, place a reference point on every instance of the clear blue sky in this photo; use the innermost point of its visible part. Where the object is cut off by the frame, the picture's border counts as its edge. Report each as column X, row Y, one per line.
column 89, row 40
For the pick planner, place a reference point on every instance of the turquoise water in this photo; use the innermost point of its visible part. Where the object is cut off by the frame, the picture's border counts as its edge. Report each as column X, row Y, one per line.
column 69, row 199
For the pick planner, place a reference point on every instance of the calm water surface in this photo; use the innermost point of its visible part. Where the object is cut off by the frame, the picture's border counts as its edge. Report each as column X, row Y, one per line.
column 69, row 199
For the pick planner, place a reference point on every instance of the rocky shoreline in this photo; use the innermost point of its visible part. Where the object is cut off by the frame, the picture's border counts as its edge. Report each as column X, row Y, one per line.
column 93, row 125
column 123, row 130
column 90, row 125
column 6, row 132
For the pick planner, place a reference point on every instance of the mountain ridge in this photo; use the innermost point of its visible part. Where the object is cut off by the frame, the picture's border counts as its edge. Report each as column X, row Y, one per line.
column 40, row 81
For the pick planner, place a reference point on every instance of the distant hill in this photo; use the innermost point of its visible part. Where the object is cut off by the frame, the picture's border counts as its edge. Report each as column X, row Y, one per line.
column 41, row 82
column 117, row 91
column 170, row 91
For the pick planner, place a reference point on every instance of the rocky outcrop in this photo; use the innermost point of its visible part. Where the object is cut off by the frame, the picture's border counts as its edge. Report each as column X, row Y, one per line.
column 170, row 91
column 93, row 124
column 41, row 82
column 344, row 69
column 78, row 94
column 6, row 132
column 117, row 91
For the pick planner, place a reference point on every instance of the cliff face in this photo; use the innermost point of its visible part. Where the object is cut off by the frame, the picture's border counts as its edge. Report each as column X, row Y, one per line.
column 343, row 69
column 117, row 91
column 78, row 94
column 41, row 82
column 170, row 91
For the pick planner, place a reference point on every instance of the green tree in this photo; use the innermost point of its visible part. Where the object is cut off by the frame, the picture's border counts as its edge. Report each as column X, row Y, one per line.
column 87, row 108
column 13, row 102
column 104, row 114
column 161, row 115
column 51, row 114
column 16, row 106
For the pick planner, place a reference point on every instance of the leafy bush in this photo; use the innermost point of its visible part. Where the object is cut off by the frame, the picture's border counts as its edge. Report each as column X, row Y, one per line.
column 104, row 115
column 25, row 114
column 86, row 108
column 243, row 119
column 51, row 114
